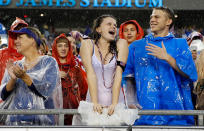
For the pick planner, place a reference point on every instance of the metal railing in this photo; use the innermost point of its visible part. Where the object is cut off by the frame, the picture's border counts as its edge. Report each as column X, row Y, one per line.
column 62, row 112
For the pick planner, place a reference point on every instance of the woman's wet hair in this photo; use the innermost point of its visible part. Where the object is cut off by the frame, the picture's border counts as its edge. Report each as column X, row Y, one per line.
column 44, row 45
column 96, row 36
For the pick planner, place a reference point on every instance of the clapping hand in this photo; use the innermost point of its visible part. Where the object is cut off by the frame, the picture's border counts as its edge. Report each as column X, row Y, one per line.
column 10, row 68
column 18, row 71
column 14, row 70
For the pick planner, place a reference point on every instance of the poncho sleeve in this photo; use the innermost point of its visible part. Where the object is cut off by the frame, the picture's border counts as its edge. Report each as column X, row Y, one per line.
column 5, row 80
column 184, row 59
column 47, row 81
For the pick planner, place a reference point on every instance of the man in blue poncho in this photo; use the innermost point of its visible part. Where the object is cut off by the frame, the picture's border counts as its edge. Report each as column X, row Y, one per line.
column 163, row 68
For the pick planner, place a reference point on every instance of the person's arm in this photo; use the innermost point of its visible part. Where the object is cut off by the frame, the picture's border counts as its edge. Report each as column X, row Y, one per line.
column 26, row 78
column 161, row 53
column 129, row 68
column 20, row 73
column 172, row 63
column 10, row 70
column 122, row 47
column 78, row 36
column 10, row 84
column 86, row 52
column 7, row 90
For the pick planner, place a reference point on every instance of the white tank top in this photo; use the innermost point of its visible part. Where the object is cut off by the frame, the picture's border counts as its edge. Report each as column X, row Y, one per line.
column 104, row 92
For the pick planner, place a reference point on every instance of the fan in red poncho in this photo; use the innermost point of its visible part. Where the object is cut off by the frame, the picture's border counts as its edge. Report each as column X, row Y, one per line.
column 73, row 78
column 11, row 52
column 131, row 31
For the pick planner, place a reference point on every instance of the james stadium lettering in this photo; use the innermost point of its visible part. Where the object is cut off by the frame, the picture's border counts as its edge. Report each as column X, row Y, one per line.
column 84, row 3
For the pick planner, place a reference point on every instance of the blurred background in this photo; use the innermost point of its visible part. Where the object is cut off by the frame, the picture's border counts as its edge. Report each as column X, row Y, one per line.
column 55, row 18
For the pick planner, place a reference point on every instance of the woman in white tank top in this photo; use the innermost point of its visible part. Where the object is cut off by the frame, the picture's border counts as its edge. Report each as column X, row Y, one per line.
column 103, row 58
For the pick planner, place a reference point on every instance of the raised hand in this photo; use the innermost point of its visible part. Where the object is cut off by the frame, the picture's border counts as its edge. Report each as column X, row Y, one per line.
column 157, row 51
column 18, row 71
column 76, row 35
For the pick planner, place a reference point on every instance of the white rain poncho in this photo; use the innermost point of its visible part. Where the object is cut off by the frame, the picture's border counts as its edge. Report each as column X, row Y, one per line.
column 46, row 94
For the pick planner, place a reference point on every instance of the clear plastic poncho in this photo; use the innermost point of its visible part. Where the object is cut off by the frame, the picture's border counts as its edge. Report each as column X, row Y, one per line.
column 46, row 80
column 121, row 115
column 158, row 85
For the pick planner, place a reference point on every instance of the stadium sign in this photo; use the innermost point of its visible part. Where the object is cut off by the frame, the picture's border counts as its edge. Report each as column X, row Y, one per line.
column 84, row 3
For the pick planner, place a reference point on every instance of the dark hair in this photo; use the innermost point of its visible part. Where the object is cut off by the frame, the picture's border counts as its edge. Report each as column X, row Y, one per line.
column 96, row 36
column 169, row 12
column 62, row 39
column 37, row 34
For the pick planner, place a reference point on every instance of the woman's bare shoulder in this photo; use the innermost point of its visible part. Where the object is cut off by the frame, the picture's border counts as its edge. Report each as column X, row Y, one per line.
column 121, row 44
column 86, row 47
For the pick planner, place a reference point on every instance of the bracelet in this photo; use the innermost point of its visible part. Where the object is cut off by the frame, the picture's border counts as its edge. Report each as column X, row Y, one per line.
column 79, row 35
column 121, row 64
column 83, row 36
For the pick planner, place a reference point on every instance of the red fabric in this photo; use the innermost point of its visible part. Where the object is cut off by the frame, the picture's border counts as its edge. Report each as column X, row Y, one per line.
column 78, row 62
column 10, row 52
column 140, row 31
column 74, row 86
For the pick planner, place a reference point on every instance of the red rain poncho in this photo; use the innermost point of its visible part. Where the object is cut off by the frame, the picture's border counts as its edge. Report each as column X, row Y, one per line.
column 10, row 52
column 140, row 31
column 74, row 86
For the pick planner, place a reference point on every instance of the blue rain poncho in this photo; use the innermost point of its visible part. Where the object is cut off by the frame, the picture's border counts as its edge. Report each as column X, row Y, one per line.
column 158, row 85
column 45, row 93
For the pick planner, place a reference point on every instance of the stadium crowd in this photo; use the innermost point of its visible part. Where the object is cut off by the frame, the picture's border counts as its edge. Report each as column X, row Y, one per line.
column 103, row 73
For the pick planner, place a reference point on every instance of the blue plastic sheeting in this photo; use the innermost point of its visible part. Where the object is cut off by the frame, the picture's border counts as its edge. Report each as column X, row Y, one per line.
column 2, row 29
column 158, row 85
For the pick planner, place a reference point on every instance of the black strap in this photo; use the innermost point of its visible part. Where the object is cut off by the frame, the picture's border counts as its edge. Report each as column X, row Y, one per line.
column 121, row 64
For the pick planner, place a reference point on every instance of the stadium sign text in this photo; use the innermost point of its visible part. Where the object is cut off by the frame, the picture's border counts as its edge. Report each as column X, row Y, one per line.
column 84, row 3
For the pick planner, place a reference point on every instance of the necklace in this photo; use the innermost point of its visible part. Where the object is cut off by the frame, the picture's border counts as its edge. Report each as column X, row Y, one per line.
column 102, row 65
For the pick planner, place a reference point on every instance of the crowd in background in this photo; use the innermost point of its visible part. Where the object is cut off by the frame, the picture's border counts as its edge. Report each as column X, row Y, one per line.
column 60, row 75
